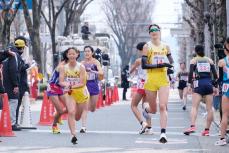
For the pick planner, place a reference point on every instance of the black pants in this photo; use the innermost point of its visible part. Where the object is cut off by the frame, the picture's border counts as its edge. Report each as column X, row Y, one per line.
column 124, row 93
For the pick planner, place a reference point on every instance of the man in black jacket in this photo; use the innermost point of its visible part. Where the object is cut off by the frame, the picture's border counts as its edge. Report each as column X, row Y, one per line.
column 85, row 31
column 23, row 82
column 125, row 82
column 11, row 79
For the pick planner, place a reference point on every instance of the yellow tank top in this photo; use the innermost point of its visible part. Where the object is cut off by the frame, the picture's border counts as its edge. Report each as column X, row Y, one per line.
column 72, row 75
column 157, row 55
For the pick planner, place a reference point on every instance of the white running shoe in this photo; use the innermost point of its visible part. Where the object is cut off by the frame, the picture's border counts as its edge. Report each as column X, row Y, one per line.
column 163, row 138
column 148, row 131
column 221, row 142
column 83, row 130
column 144, row 126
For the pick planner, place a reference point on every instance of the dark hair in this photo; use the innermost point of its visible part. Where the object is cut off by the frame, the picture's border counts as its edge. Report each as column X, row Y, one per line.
column 154, row 25
column 199, row 49
column 140, row 45
column 91, row 48
column 64, row 56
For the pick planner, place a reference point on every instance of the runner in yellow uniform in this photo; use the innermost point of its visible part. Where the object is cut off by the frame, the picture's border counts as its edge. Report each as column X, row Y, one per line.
column 73, row 77
column 156, row 58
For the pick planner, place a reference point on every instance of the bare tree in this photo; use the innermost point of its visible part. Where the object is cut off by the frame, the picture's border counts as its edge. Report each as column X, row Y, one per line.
column 8, row 15
column 127, row 19
column 53, row 13
column 195, row 20
column 33, row 27
column 74, row 9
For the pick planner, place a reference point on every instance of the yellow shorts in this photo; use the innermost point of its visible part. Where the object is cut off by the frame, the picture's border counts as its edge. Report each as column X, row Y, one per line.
column 156, row 80
column 80, row 95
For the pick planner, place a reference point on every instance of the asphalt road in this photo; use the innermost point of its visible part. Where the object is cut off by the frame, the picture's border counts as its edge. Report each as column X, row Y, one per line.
column 114, row 129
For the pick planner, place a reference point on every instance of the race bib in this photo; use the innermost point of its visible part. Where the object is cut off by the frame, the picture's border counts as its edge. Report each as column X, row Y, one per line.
column 185, row 78
column 203, row 67
column 225, row 87
column 159, row 59
column 141, row 84
column 73, row 81
column 91, row 76
column 195, row 83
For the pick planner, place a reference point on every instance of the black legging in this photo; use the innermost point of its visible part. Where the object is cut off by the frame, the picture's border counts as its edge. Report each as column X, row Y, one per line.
column 124, row 93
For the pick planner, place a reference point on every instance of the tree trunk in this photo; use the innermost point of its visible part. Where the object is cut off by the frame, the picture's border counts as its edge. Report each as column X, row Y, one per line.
column 55, row 59
column 6, row 35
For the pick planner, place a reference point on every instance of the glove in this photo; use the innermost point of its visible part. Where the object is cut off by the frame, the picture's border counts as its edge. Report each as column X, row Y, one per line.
column 170, row 71
column 164, row 65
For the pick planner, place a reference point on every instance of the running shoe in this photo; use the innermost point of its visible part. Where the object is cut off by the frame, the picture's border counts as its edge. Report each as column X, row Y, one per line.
column 144, row 126
column 55, row 130
column 163, row 138
column 74, row 140
column 221, row 142
column 60, row 121
column 83, row 130
column 184, row 108
column 205, row 133
column 148, row 131
column 189, row 130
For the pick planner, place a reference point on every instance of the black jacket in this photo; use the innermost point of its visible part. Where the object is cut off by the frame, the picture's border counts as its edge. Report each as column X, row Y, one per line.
column 124, row 77
column 11, row 73
column 23, row 82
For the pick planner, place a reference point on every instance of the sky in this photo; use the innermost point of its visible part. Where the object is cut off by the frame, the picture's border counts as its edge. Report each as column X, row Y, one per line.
column 166, row 14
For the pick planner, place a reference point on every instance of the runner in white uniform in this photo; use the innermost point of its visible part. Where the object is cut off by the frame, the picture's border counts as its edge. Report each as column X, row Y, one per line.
column 140, row 94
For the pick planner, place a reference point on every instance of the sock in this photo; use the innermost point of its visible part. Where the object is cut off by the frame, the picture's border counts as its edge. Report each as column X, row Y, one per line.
column 149, row 127
column 206, row 129
column 222, row 138
column 163, row 130
column 141, row 122
column 192, row 125
column 54, row 124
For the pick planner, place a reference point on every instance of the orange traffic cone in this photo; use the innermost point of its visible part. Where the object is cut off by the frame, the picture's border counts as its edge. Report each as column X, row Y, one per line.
column 5, row 122
column 113, row 96
column 107, row 99
column 116, row 94
column 45, row 117
column 100, row 100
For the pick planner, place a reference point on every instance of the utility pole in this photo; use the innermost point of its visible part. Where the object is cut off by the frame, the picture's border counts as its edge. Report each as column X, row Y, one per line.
column 227, row 9
column 207, row 35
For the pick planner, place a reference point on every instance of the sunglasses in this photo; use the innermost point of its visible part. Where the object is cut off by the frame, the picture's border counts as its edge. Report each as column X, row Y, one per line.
column 154, row 30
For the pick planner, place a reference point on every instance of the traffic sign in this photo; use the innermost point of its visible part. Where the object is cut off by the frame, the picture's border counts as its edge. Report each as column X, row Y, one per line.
column 29, row 4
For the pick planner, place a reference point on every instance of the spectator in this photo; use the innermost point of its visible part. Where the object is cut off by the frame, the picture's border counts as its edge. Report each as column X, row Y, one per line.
column 125, row 82
column 85, row 31
column 23, row 82
column 11, row 79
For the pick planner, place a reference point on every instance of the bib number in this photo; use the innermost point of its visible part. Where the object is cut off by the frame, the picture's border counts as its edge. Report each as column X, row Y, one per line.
column 203, row 67
column 73, row 81
column 141, row 84
column 159, row 59
column 225, row 87
column 91, row 76
column 184, row 78
column 195, row 83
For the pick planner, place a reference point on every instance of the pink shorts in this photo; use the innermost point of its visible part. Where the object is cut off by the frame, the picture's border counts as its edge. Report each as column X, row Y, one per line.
column 54, row 90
